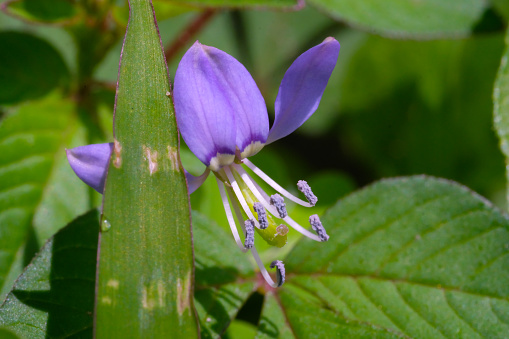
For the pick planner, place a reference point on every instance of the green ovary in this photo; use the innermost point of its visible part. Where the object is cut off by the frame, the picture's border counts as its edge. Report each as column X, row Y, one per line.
column 270, row 234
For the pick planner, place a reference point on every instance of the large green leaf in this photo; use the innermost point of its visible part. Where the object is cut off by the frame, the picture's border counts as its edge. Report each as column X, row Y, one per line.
column 54, row 297
column 412, row 19
column 39, row 192
column 46, row 11
column 29, row 67
column 145, row 270
column 58, row 286
column 415, row 257
column 238, row 3
column 501, row 106
column 224, row 276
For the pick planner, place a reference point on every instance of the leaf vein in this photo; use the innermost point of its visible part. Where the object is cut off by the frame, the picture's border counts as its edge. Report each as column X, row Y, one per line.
column 428, row 231
column 458, row 315
column 380, row 227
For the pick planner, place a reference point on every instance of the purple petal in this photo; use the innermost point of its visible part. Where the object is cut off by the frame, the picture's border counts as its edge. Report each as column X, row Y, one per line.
column 302, row 88
column 194, row 182
column 217, row 103
column 90, row 163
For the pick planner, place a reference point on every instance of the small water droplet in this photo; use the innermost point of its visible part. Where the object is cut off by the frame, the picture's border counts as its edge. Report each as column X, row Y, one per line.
column 105, row 225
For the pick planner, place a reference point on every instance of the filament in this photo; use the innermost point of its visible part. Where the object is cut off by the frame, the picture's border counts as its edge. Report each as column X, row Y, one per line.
column 239, row 195
column 229, row 216
column 274, row 184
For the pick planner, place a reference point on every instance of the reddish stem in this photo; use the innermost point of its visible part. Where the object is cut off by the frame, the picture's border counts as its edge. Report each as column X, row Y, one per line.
column 194, row 27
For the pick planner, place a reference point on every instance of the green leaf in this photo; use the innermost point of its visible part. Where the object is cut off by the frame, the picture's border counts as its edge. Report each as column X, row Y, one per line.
column 163, row 9
column 503, row 7
column 408, row 19
column 146, row 215
column 54, row 297
column 39, row 192
column 224, row 276
column 501, row 105
column 7, row 334
column 237, row 3
column 42, row 299
column 414, row 257
column 45, row 11
column 408, row 107
column 31, row 69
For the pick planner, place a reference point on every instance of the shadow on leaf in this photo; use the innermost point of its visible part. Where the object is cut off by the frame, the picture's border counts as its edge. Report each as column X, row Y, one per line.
column 71, row 259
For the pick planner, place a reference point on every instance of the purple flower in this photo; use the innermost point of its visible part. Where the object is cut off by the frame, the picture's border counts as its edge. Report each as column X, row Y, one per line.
column 223, row 119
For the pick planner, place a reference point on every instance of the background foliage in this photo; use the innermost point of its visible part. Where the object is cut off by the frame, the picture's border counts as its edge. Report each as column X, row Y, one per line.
column 416, row 90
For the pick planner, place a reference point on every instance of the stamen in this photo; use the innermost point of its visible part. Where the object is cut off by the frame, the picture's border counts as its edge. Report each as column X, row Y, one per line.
column 249, row 226
column 229, row 216
column 262, row 216
column 306, row 190
column 266, row 274
column 254, row 252
column 274, row 184
column 317, row 226
column 279, row 203
column 259, row 193
column 239, row 195
column 301, row 229
column 280, row 271
column 264, row 198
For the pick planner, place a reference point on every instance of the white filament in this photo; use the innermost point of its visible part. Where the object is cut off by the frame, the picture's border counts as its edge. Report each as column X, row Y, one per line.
column 240, row 197
column 274, row 184
column 264, row 198
column 256, row 257
column 249, row 182
column 263, row 270
column 229, row 216
column 301, row 229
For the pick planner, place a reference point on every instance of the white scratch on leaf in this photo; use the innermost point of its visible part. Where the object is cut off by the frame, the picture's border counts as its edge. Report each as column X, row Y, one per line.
column 117, row 150
column 151, row 156
column 174, row 160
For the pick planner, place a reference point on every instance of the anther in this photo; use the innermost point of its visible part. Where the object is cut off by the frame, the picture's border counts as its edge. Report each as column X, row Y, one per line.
column 306, row 190
column 280, row 271
column 279, row 203
column 262, row 215
column 317, row 226
column 249, row 241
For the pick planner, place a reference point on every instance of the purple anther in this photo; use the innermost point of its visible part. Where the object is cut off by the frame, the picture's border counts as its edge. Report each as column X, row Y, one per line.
column 280, row 271
column 249, row 225
column 262, row 215
column 279, row 203
column 317, row 226
column 306, row 190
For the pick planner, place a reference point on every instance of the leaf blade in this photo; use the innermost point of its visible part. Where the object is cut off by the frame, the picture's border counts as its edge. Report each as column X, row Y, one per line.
column 54, row 297
column 414, row 257
column 145, row 201
column 34, row 172
column 407, row 19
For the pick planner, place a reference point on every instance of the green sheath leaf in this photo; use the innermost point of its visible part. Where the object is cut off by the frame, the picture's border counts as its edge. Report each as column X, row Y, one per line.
column 145, row 272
